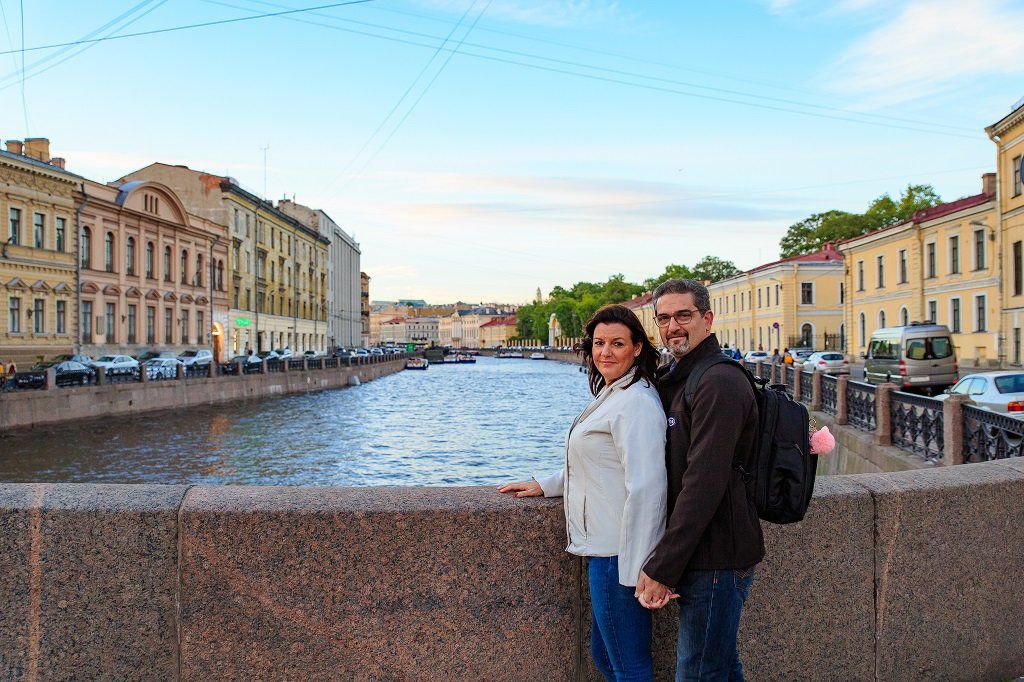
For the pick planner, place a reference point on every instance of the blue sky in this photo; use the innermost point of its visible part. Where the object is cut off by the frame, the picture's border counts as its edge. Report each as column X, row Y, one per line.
column 682, row 128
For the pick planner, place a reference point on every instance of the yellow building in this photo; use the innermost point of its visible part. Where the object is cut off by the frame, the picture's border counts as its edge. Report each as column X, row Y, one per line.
column 939, row 266
column 1008, row 134
column 498, row 331
column 37, row 260
column 794, row 302
column 643, row 306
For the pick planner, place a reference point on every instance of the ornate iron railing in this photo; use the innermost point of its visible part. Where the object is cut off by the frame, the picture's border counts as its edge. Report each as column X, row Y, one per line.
column 330, row 363
column 988, row 435
column 916, row 423
column 122, row 376
column 275, row 365
column 829, row 393
column 806, row 386
column 295, row 365
column 860, row 405
column 227, row 368
column 792, row 376
column 196, row 371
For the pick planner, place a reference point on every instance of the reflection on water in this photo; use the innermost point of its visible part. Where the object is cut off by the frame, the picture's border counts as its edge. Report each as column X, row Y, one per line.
column 453, row 425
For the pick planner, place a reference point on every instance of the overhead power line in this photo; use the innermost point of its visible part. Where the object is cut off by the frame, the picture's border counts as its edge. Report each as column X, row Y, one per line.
column 186, row 27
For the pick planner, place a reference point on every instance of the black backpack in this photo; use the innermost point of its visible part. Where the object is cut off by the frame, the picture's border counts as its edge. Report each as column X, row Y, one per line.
column 783, row 468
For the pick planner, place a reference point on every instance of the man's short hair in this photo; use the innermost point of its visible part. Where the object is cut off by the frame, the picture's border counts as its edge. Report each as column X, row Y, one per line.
column 701, row 297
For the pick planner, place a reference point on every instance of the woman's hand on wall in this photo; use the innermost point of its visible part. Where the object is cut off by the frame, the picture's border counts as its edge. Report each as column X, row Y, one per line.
column 522, row 489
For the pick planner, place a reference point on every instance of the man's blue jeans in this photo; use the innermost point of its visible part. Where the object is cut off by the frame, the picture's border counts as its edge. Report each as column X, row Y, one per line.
column 620, row 631
column 710, row 606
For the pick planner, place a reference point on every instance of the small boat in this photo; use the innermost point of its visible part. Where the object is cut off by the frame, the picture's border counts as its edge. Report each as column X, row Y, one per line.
column 417, row 363
column 510, row 354
column 537, row 356
column 450, row 360
column 465, row 359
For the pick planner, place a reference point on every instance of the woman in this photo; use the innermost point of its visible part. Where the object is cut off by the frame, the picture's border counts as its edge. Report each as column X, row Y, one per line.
column 614, row 483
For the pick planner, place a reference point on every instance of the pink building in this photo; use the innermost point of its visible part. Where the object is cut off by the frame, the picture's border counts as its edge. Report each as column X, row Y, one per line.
column 152, row 275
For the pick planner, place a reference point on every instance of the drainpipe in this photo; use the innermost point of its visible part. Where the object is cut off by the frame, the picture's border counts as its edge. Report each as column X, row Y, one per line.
column 213, row 281
column 78, row 270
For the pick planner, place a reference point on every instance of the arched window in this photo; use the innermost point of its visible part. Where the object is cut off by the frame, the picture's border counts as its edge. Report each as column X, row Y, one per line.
column 129, row 256
column 842, row 337
column 184, row 266
column 199, row 269
column 881, row 319
column 220, row 275
column 904, row 316
column 807, row 335
column 149, row 259
column 86, row 247
column 863, row 330
column 167, row 264
column 108, row 252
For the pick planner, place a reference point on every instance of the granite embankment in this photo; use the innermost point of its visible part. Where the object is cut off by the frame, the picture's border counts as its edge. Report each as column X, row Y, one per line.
column 909, row 575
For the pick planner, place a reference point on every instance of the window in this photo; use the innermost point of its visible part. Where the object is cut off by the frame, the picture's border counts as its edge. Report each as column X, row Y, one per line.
column 881, row 319
column 1016, row 345
column 1018, row 272
column 38, row 228
column 61, row 229
column 904, row 316
column 248, row 299
column 979, row 249
column 149, row 260
column 806, row 335
column 62, row 317
column 929, row 348
column 1016, row 176
column 168, row 325
column 954, row 254
column 929, row 260
column 862, row 324
column 167, row 264
column 38, row 316
column 150, row 325
column 884, row 349
column 108, row 252
column 777, row 287
column 860, row 275
column 742, row 307
column 759, row 298
column 933, row 312
column 842, row 293
column 129, row 256
column 235, row 256
column 881, row 272
column 220, row 275
column 979, row 313
column 86, row 323
column 236, row 221
column 184, row 266
column 132, row 323
column 954, row 315
column 200, row 327
column 184, row 326
column 199, row 270
column 806, row 293
column 903, row 266
column 14, row 231
column 110, row 323
column 14, row 317
column 235, row 298
column 86, row 247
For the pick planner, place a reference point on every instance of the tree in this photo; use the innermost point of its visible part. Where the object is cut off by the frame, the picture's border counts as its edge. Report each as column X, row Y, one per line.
column 713, row 269
column 671, row 272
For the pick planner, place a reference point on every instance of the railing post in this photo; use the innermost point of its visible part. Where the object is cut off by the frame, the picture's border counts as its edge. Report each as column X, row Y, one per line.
column 284, row 364
column 305, row 364
column 239, row 368
column 797, row 388
column 51, row 379
column 263, row 367
column 883, row 416
column 953, row 429
column 816, row 391
column 775, row 373
column 181, row 372
column 143, row 374
column 101, row 376
column 841, row 409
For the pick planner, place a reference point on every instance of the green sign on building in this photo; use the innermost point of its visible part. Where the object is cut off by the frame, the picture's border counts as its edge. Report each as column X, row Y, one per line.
column 241, row 322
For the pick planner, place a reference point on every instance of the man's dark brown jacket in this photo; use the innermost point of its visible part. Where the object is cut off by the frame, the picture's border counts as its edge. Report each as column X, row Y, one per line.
column 712, row 520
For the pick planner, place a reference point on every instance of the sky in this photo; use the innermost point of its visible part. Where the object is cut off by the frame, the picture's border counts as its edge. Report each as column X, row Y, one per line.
column 480, row 149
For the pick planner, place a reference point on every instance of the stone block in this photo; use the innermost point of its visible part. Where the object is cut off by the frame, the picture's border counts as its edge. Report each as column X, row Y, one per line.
column 376, row 583
column 948, row 555
column 88, row 575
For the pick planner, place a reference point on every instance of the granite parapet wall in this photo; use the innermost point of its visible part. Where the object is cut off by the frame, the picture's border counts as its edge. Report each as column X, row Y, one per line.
column 912, row 575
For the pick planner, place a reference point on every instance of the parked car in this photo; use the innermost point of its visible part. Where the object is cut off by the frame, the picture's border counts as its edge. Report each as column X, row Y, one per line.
column 68, row 373
column 800, row 355
column 268, row 355
column 828, row 362
column 311, row 355
column 284, row 353
column 76, row 357
column 378, row 351
column 150, row 354
column 196, row 357
column 913, row 356
column 1001, row 392
column 162, row 368
column 756, row 356
column 250, row 363
column 362, row 352
column 117, row 364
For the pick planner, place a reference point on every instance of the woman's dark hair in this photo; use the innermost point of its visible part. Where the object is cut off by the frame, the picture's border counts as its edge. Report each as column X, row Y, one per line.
column 645, row 364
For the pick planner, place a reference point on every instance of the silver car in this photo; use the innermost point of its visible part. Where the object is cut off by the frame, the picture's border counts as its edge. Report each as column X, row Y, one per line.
column 1001, row 392
column 828, row 362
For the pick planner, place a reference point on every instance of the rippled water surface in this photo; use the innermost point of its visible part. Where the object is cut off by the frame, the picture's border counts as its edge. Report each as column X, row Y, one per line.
column 451, row 425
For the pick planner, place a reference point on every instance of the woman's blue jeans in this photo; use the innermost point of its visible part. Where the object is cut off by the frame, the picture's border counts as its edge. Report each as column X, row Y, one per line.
column 710, row 607
column 620, row 631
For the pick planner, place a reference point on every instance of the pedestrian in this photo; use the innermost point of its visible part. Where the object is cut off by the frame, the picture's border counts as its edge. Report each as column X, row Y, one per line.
column 776, row 358
column 3, row 374
column 787, row 357
column 736, row 354
column 613, row 482
column 712, row 541
column 11, row 371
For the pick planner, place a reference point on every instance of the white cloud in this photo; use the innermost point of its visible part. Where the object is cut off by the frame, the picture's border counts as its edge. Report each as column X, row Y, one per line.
column 930, row 47
column 542, row 12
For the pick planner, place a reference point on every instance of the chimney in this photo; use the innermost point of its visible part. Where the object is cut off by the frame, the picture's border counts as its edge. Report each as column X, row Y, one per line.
column 58, row 162
column 988, row 184
column 15, row 147
column 38, row 148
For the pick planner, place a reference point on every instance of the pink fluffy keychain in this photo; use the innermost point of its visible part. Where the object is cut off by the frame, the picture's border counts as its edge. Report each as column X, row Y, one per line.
column 822, row 441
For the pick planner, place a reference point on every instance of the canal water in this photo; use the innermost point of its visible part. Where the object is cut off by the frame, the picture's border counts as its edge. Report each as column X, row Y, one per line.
column 493, row 421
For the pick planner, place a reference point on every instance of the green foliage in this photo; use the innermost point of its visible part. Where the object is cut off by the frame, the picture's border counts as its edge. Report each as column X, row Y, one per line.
column 713, row 269
column 671, row 272
column 810, row 234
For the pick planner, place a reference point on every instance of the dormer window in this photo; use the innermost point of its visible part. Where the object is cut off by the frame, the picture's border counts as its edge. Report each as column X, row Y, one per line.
column 151, row 203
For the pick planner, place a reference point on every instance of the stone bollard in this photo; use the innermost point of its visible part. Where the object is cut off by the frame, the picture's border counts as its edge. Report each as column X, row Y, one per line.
column 239, row 368
column 797, row 388
column 883, row 417
column 143, row 374
column 101, row 376
column 816, row 391
column 841, row 408
column 181, row 372
column 284, row 364
column 775, row 373
column 305, row 364
column 953, row 429
column 263, row 366
column 51, row 379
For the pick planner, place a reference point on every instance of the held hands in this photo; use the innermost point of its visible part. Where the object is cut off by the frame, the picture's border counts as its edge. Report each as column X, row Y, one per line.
column 651, row 593
column 522, row 489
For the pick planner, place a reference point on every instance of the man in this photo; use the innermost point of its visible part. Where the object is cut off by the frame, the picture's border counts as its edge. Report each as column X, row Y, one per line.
column 776, row 358
column 713, row 536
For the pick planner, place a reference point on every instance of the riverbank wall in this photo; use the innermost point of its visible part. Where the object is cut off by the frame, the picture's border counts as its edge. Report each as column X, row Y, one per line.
column 22, row 409
column 902, row 576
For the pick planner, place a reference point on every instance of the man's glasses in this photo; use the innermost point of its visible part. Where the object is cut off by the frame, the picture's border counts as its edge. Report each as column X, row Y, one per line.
column 680, row 316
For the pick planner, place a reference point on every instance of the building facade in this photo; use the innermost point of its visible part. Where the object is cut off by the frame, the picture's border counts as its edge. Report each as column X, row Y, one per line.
column 422, row 330
column 37, row 256
column 940, row 266
column 364, row 309
column 643, row 306
column 498, row 332
column 794, row 302
column 1008, row 135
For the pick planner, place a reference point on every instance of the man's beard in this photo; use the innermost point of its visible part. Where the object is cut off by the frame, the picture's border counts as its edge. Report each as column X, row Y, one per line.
column 679, row 346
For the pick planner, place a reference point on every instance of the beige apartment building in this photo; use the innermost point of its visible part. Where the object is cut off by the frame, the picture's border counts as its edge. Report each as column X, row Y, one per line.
column 498, row 332
column 793, row 302
column 643, row 306
column 1008, row 135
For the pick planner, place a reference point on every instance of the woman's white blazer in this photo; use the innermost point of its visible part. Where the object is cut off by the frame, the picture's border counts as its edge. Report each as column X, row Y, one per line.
column 614, row 479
